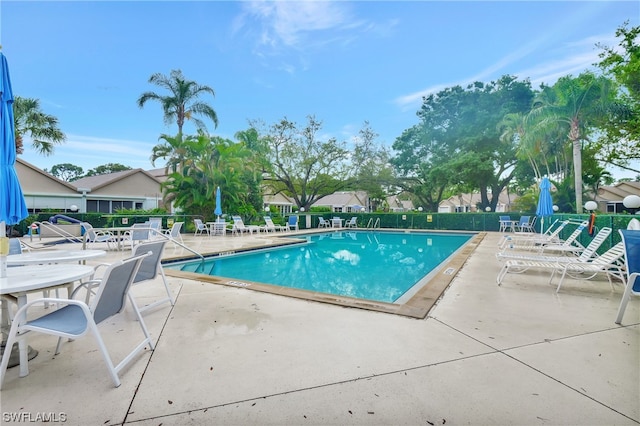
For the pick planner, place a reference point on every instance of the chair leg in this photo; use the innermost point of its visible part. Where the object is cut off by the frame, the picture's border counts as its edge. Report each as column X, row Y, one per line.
column 625, row 297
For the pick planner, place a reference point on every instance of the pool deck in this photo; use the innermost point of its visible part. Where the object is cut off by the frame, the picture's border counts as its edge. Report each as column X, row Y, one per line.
column 485, row 354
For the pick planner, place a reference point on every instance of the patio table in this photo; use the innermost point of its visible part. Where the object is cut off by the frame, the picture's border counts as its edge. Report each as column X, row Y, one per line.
column 52, row 256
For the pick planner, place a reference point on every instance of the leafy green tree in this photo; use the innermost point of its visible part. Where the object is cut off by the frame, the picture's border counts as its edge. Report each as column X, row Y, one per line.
column 457, row 144
column 621, row 142
column 370, row 161
column 107, row 168
column 182, row 102
column 573, row 107
column 67, row 172
column 303, row 166
column 42, row 128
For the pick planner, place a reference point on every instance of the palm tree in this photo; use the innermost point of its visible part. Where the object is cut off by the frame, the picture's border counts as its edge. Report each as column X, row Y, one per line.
column 182, row 103
column 573, row 105
column 42, row 128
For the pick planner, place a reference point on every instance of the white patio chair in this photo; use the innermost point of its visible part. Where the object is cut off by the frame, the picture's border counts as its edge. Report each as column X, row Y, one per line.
column 322, row 223
column 200, row 227
column 76, row 318
column 98, row 236
column 631, row 241
column 269, row 226
column 352, row 223
column 139, row 232
column 151, row 268
column 238, row 227
column 551, row 235
column 174, row 233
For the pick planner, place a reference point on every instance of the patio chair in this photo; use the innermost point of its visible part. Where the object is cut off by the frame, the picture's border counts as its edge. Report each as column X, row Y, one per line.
column 570, row 245
column 139, row 232
column 608, row 263
column 352, row 223
column 292, row 224
column 631, row 241
column 200, row 227
column 506, row 223
column 155, row 223
column 76, row 318
column 589, row 252
column 524, row 225
column 322, row 223
column 151, row 268
column 98, row 236
column 174, row 234
column 269, row 226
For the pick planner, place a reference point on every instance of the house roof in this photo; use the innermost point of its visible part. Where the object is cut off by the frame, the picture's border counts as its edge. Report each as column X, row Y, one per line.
column 96, row 182
column 342, row 198
column 618, row 191
column 44, row 175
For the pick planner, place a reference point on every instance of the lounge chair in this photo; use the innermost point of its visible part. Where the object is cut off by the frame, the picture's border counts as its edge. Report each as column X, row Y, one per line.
column 269, row 226
column 76, row 318
column 292, row 224
column 586, row 255
column 550, row 236
column 201, row 228
column 608, row 263
column 631, row 241
column 240, row 227
column 570, row 245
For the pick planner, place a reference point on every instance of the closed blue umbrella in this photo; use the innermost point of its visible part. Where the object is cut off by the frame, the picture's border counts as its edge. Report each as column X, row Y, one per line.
column 545, row 203
column 218, row 210
column 12, row 205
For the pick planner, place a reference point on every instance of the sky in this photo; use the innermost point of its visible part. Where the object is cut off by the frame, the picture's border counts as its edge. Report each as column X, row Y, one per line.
column 344, row 62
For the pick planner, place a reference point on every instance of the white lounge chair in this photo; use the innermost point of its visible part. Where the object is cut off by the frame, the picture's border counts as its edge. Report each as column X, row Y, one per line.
column 550, row 236
column 589, row 252
column 608, row 263
column 76, row 318
column 570, row 245
column 239, row 227
column 631, row 242
column 269, row 226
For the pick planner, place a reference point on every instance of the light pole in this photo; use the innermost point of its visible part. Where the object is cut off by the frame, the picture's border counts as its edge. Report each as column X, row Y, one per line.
column 632, row 202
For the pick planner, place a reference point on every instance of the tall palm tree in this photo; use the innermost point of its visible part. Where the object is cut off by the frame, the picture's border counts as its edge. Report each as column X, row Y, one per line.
column 182, row 102
column 573, row 105
column 42, row 128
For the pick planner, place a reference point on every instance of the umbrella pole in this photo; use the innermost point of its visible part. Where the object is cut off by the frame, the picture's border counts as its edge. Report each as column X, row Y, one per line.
column 4, row 249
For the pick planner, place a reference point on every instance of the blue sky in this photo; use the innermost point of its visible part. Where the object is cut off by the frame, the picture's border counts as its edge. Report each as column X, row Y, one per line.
column 344, row 62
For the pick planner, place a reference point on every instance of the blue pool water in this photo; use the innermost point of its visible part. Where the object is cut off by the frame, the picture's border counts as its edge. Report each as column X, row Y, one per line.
column 378, row 266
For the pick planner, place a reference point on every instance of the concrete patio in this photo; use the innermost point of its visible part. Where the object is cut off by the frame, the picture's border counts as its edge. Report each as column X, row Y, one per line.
column 514, row 354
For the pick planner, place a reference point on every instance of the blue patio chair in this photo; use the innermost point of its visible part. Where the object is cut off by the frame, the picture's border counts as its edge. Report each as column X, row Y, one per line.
column 631, row 240
column 505, row 223
column 292, row 225
column 76, row 318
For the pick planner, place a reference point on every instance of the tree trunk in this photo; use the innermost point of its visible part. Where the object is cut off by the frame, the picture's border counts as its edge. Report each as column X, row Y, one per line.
column 577, row 170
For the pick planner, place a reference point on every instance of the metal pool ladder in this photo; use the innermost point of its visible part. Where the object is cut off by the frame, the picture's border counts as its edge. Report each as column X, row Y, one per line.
column 373, row 225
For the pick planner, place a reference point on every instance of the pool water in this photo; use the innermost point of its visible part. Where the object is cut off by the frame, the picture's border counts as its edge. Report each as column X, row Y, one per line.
column 379, row 266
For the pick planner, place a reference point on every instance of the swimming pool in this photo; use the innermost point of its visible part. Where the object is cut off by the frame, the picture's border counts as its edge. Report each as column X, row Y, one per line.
column 381, row 266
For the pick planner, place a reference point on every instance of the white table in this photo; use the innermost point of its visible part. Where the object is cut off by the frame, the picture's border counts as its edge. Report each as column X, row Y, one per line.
column 336, row 222
column 21, row 280
column 53, row 256
column 218, row 228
